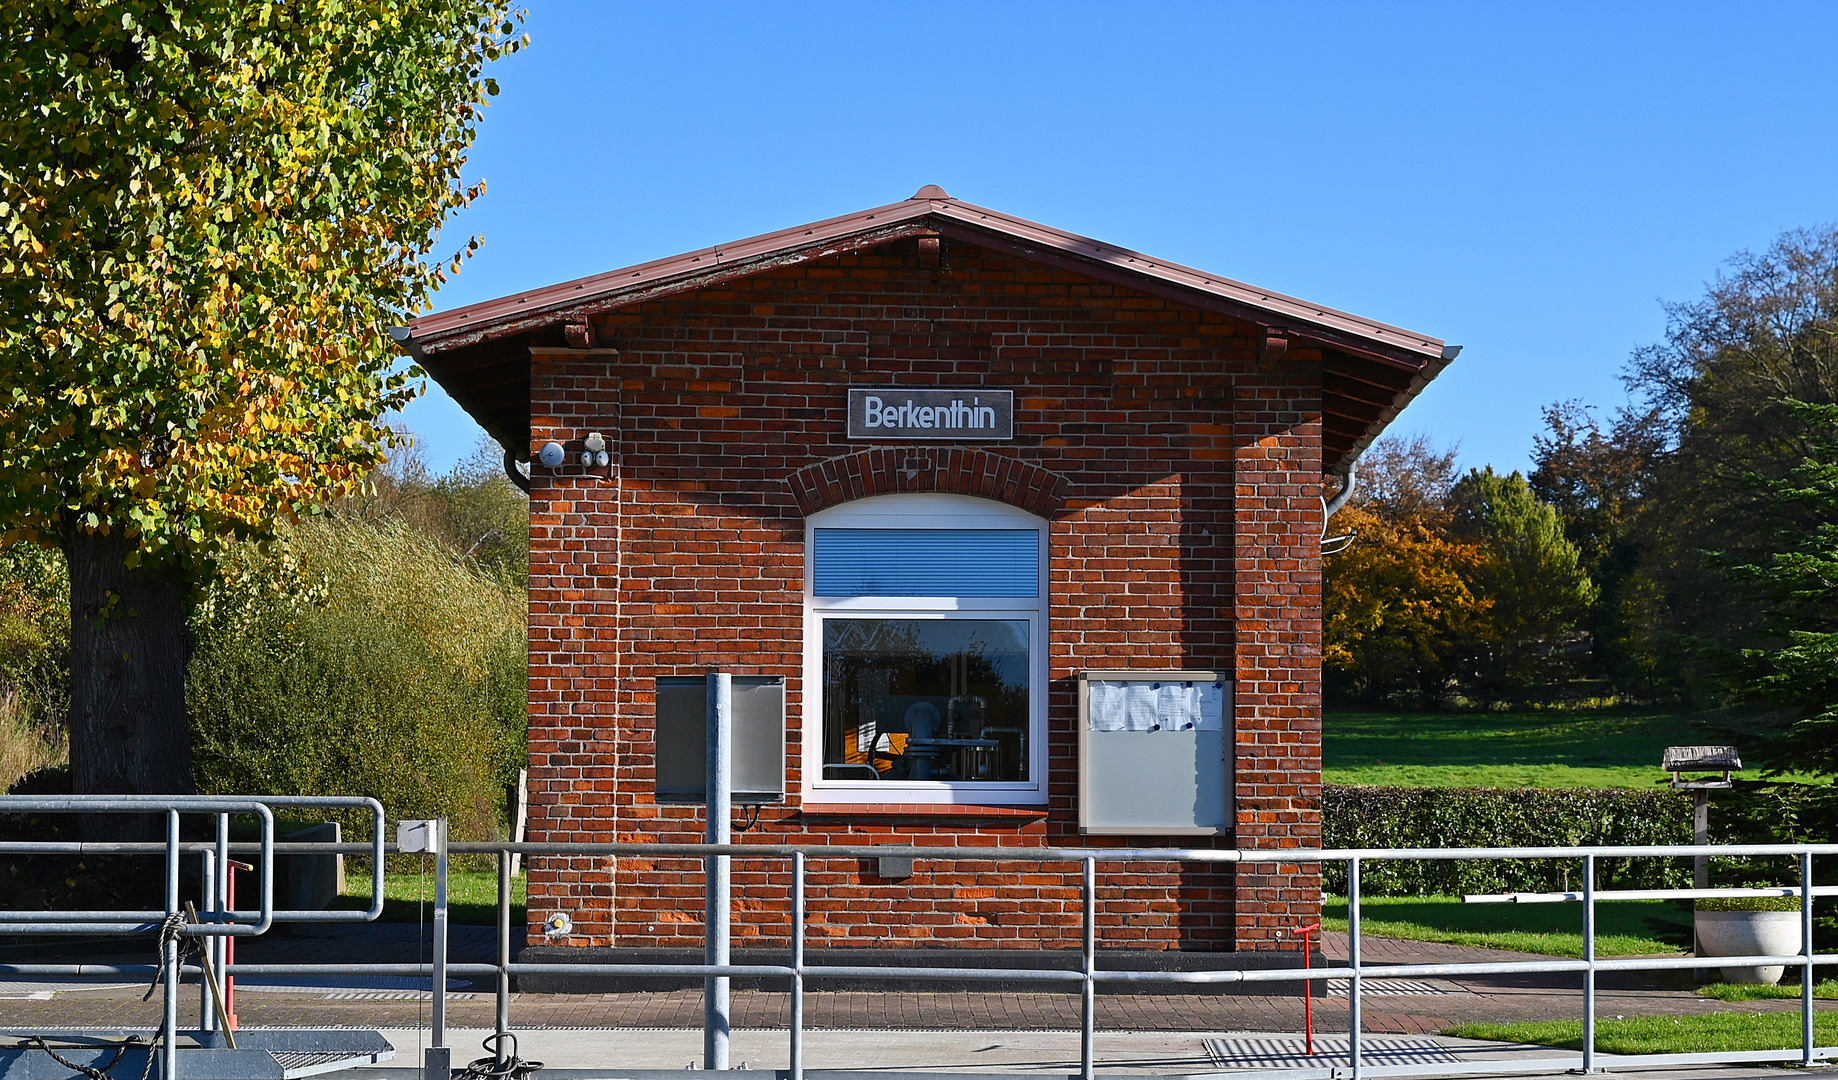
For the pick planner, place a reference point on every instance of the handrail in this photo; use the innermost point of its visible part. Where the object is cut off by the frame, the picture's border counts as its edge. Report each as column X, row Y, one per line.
column 1082, row 964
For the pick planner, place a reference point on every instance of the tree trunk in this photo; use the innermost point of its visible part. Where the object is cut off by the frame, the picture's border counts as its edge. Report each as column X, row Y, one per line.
column 129, row 645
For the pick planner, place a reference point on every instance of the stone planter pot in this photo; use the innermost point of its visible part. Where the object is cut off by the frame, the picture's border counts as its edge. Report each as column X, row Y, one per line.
column 1749, row 933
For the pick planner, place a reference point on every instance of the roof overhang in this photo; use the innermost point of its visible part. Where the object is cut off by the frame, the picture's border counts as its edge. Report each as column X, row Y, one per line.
column 479, row 353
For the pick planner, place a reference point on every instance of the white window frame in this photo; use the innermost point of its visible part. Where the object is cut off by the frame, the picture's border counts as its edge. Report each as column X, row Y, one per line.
column 923, row 510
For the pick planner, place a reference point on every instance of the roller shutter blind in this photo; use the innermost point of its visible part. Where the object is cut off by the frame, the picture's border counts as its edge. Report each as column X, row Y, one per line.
column 927, row 562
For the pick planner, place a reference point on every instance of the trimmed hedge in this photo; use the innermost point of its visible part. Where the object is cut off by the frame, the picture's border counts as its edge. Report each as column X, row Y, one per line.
column 1389, row 817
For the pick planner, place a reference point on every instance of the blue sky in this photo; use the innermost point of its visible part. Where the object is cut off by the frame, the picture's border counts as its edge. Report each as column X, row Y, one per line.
column 1529, row 181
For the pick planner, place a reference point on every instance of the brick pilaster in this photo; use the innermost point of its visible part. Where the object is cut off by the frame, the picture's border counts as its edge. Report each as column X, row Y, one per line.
column 1277, row 601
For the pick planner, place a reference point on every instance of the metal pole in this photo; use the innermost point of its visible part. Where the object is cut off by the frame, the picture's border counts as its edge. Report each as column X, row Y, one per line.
column 1701, row 834
column 1589, row 958
column 1088, row 1007
column 169, row 1049
column 225, row 945
column 504, row 954
column 440, row 933
column 1353, row 988
column 1806, row 970
column 1308, row 989
column 715, row 1028
column 797, row 966
column 207, row 1015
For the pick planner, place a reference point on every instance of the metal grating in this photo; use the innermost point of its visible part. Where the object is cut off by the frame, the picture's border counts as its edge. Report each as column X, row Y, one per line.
column 298, row 1063
column 1291, row 1052
column 1394, row 987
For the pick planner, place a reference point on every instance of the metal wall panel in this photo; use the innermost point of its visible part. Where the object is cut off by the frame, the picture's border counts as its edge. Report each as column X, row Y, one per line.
column 682, row 738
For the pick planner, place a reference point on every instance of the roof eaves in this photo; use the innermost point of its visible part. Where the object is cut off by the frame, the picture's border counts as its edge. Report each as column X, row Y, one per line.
column 1297, row 312
column 443, row 330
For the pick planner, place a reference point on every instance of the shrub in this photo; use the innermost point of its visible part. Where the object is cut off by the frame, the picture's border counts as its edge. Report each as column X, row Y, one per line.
column 1386, row 817
column 1748, row 903
column 34, row 660
column 354, row 657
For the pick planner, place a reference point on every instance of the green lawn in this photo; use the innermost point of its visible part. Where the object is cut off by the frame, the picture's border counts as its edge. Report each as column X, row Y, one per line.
column 1538, row 748
column 1623, row 928
column 472, row 896
column 1827, row 988
column 1717, row 1033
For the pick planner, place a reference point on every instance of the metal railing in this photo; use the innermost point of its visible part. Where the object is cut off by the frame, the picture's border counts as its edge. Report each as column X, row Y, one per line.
column 218, row 921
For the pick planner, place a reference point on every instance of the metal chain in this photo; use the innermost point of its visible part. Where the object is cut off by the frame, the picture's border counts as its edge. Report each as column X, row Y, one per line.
column 487, row 1068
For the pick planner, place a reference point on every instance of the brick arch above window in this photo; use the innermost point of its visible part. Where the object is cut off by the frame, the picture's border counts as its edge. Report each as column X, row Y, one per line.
column 890, row 470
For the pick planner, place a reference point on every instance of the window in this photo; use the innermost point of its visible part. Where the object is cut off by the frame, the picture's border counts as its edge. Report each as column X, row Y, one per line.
column 925, row 652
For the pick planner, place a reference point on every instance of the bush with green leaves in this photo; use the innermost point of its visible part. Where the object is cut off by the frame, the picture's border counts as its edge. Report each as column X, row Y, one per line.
column 362, row 657
column 1387, row 817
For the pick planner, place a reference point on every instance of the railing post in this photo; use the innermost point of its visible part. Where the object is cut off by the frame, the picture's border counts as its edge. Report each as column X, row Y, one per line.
column 504, row 955
column 715, row 1024
column 169, row 1047
column 1806, row 972
column 797, row 965
column 1354, row 1021
column 225, row 902
column 207, row 874
column 440, row 934
column 1589, row 960
column 1088, row 1007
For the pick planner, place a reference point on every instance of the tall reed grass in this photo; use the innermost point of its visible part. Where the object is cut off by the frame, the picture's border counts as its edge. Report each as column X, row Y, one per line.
column 361, row 657
column 34, row 661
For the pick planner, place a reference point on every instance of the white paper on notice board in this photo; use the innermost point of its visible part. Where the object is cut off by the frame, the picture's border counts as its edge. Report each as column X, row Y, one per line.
column 1143, row 705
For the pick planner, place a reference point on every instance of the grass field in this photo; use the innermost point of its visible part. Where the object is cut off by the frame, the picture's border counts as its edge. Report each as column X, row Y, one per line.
column 1826, row 988
column 1617, row 748
column 1632, row 928
column 1717, row 1033
column 472, row 897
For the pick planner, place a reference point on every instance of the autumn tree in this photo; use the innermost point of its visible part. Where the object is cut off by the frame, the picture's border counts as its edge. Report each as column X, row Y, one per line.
column 1397, row 607
column 210, row 216
column 1397, row 602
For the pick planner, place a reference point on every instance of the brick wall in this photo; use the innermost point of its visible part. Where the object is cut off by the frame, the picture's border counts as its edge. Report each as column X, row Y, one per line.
column 1179, row 479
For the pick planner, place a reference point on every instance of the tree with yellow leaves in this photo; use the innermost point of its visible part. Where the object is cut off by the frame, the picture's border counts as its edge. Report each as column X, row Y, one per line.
column 1398, row 610
column 210, row 215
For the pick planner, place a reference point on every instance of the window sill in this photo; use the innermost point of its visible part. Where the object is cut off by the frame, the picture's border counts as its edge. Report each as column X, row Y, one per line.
column 858, row 809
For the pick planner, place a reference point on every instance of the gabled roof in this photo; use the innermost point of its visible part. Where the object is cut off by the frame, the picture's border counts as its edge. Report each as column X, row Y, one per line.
column 477, row 351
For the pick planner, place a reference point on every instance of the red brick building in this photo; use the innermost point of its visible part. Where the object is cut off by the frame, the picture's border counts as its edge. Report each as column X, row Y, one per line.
column 923, row 465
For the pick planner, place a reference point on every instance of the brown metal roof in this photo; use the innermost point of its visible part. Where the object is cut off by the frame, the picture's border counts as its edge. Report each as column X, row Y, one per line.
column 1373, row 368
column 519, row 312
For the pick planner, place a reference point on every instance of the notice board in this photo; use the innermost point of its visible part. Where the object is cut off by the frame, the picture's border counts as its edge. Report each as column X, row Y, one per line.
column 1155, row 750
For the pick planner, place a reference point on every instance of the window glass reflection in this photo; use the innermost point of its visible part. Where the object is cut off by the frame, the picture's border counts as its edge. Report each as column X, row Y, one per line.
column 925, row 699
